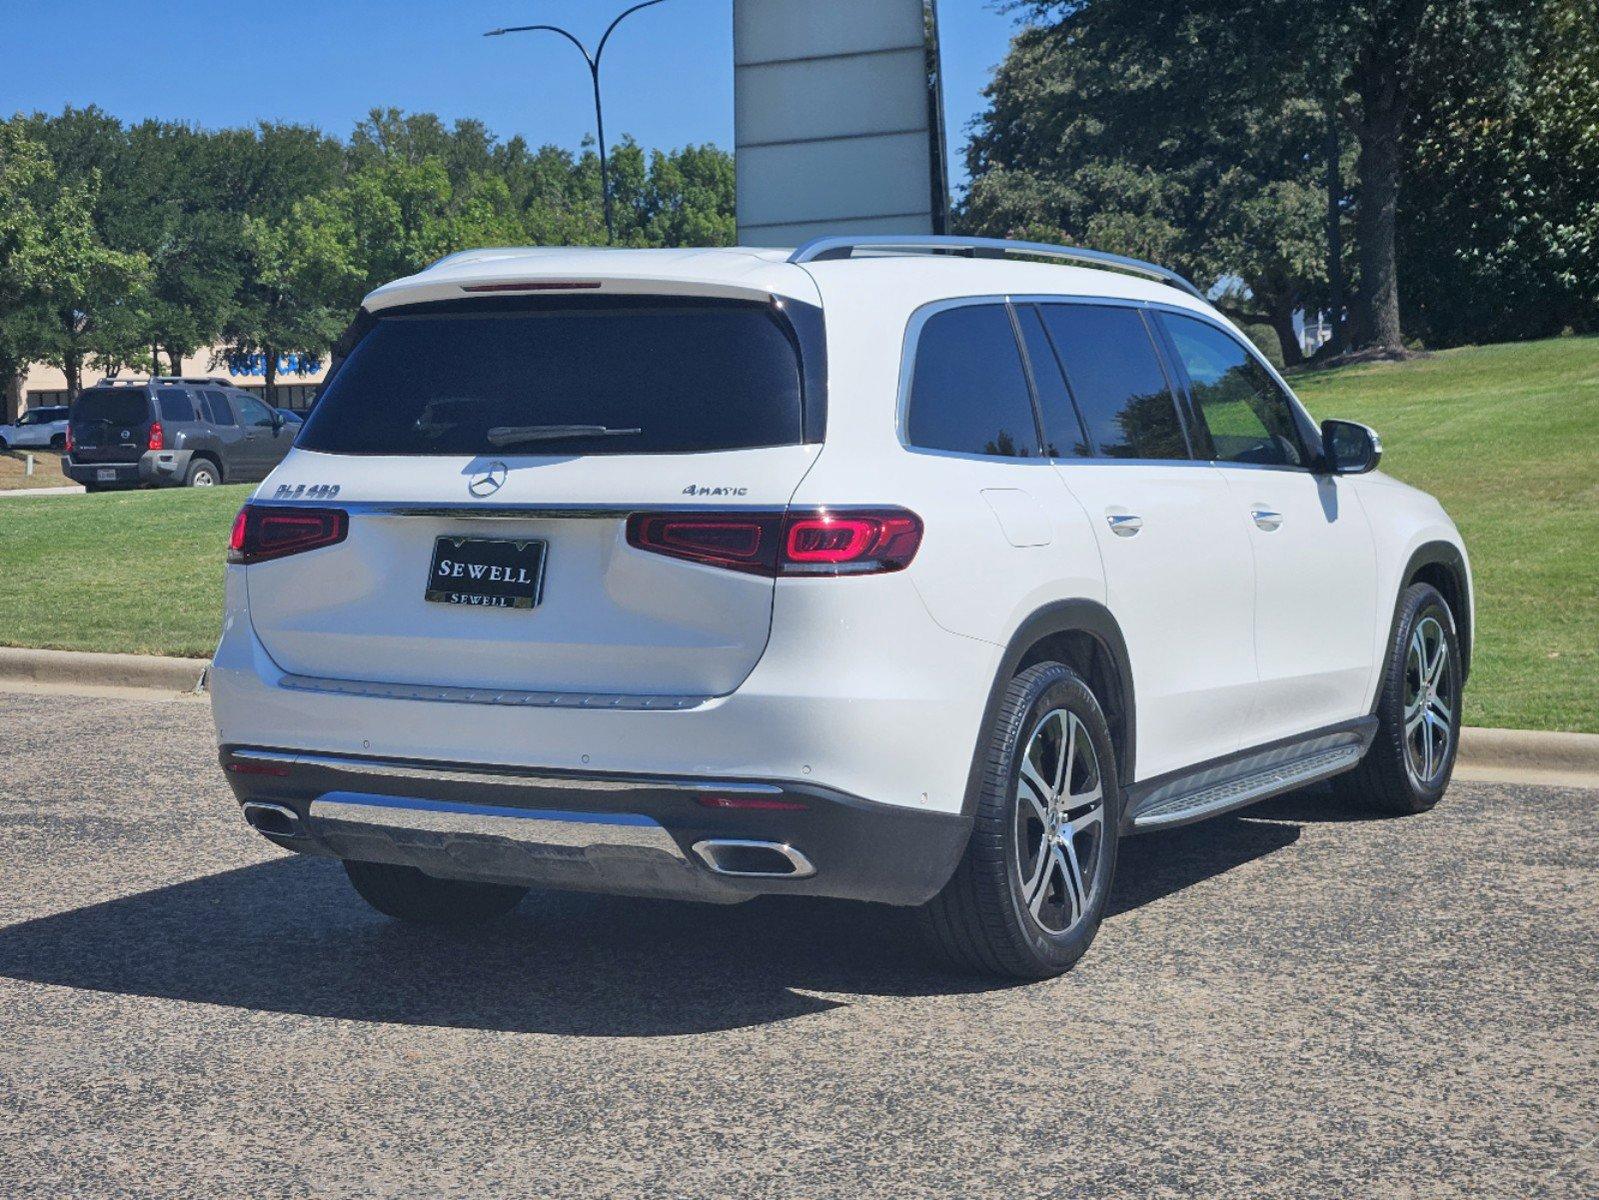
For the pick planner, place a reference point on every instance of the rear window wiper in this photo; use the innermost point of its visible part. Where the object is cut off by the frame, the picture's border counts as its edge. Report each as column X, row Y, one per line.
column 510, row 435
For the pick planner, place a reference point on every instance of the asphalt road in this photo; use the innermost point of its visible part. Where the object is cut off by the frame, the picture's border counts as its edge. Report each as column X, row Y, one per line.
column 1289, row 1002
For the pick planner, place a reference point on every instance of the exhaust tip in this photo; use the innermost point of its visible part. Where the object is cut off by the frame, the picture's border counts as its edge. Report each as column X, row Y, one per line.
column 274, row 820
column 753, row 859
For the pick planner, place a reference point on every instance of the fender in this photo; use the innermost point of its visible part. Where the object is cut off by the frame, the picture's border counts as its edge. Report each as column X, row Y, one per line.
column 1063, row 616
column 1448, row 556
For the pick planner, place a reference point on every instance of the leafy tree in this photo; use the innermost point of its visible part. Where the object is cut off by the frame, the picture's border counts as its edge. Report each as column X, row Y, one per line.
column 1128, row 136
column 1499, row 215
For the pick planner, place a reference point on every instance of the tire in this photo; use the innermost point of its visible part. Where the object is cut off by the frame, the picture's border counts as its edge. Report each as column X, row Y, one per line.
column 998, row 915
column 408, row 894
column 1402, row 773
column 202, row 472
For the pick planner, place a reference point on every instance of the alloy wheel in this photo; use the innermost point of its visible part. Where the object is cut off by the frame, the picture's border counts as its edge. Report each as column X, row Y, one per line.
column 1430, row 698
column 1060, row 814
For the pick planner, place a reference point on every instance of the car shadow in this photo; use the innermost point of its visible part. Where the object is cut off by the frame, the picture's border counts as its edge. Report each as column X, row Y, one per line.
column 289, row 935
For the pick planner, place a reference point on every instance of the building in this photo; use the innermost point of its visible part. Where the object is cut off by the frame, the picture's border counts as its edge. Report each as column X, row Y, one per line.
column 297, row 381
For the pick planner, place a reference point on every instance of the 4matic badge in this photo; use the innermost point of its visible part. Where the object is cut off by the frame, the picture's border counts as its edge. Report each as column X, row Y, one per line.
column 700, row 489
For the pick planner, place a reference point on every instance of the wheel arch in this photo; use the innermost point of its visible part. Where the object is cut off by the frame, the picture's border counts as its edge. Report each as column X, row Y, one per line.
column 1086, row 637
column 207, row 455
column 1443, row 565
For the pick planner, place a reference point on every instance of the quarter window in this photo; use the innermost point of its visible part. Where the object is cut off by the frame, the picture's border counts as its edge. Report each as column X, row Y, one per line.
column 1248, row 417
column 176, row 405
column 969, row 392
column 1115, row 377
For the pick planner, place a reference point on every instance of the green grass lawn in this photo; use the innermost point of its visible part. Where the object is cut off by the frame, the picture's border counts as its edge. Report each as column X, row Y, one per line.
column 132, row 572
column 1506, row 436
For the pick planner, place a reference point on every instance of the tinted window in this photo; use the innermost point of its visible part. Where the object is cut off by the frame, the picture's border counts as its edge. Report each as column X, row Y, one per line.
column 968, row 390
column 1248, row 418
column 1116, row 378
column 666, row 376
column 115, row 406
column 215, row 405
column 1063, row 432
column 253, row 412
column 176, row 404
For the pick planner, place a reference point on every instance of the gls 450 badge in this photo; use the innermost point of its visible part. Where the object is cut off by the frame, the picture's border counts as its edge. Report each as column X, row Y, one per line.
column 306, row 491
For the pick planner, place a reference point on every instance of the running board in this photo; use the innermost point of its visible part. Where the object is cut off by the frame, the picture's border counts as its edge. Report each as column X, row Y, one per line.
column 1199, row 797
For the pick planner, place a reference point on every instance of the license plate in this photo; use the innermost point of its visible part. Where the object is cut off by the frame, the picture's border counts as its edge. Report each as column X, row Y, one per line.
column 106, row 475
column 486, row 572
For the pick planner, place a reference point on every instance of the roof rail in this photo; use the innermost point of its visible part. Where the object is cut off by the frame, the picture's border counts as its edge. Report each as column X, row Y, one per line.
column 823, row 248
column 146, row 380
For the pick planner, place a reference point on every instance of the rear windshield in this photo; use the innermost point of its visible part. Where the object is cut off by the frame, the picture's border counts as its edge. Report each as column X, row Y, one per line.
column 618, row 376
column 117, row 406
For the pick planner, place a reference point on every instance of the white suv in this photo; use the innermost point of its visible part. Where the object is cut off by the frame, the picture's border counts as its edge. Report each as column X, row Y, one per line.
column 909, row 570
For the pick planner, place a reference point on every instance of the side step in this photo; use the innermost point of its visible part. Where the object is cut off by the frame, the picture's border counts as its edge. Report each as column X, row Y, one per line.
column 1216, row 798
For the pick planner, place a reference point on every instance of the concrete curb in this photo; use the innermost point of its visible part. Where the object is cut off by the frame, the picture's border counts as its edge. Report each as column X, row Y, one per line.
column 66, row 668
column 1529, row 756
column 1513, row 754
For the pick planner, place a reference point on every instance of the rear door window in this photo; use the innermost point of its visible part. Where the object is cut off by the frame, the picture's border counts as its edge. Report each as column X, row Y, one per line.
column 216, row 408
column 1116, row 378
column 969, row 391
column 113, row 406
column 1246, row 414
column 176, row 404
column 651, row 375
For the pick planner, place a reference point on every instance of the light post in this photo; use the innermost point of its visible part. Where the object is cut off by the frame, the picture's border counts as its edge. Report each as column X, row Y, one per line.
column 593, row 61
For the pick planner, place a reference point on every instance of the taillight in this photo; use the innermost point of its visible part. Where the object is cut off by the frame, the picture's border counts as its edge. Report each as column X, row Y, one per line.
column 266, row 531
column 158, row 437
column 805, row 542
column 70, row 442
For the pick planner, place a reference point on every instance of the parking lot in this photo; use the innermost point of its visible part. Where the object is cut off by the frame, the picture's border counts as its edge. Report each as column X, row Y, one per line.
column 1293, row 1001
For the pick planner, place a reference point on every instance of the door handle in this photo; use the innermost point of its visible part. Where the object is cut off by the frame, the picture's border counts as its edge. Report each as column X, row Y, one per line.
column 1266, row 519
column 1124, row 524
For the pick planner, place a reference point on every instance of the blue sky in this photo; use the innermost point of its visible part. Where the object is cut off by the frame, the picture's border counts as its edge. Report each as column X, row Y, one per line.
column 669, row 76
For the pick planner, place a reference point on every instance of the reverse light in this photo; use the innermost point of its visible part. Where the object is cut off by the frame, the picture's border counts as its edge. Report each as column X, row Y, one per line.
column 267, row 531
column 800, row 542
column 158, row 437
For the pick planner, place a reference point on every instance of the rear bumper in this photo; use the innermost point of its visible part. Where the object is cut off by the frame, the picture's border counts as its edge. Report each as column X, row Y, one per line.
column 586, row 831
column 160, row 468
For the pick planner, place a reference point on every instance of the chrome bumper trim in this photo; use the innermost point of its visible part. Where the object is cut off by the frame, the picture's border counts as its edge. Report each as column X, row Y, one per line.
column 509, row 697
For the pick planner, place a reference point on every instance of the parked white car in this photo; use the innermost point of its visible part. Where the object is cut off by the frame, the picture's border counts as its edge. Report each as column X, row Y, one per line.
column 894, row 569
column 43, row 428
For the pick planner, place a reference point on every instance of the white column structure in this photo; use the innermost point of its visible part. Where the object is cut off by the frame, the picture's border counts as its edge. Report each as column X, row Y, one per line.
column 838, row 119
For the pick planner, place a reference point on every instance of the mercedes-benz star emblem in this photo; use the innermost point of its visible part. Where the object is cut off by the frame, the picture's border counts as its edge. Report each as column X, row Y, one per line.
column 487, row 481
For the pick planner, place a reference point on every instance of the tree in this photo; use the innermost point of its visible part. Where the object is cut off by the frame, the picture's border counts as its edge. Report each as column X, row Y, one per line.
column 1499, row 217
column 1131, row 138
column 24, row 165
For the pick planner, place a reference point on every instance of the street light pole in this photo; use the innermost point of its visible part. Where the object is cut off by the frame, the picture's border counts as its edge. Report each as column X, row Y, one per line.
column 593, row 61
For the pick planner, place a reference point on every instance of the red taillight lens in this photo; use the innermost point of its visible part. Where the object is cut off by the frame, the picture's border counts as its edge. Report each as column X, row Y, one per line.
column 737, row 541
column 69, row 440
column 158, row 437
column 807, row 542
column 265, row 531
column 752, row 803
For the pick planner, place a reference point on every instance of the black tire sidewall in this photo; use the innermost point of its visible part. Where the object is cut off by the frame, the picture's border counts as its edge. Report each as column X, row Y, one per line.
column 1418, row 602
column 1034, row 693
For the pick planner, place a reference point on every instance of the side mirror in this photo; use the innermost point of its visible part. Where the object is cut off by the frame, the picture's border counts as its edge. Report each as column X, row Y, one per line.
column 277, row 420
column 1349, row 448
